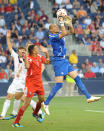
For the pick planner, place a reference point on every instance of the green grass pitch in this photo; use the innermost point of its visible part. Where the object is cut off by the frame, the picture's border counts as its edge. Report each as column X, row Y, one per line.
column 67, row 114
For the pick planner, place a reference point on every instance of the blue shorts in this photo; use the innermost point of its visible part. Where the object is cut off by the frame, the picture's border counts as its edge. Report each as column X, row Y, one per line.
column 62, row 67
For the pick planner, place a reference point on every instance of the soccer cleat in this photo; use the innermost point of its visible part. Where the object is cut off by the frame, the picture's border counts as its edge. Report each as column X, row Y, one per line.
column 93, row 99
column 11, row 117
column 45, row 107
column 41, row 117
column 2, row 118
column 17, row 125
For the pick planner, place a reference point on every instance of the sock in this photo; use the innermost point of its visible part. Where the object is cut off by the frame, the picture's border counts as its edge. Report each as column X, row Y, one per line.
column 19, row 115
column 82, row 87
column 53, row 92
column 38, row 106
column 15, row 107
column 5, row 107
column 33, row 105
column 40, row 111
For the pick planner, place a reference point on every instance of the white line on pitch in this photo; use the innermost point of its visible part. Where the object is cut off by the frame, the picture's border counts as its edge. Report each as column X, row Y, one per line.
column 95, row 111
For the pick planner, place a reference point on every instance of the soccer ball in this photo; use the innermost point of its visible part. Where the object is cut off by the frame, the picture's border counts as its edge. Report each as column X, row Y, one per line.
column 61, row 12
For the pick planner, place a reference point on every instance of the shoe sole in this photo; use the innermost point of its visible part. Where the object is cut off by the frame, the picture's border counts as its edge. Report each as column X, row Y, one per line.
column 89, row 101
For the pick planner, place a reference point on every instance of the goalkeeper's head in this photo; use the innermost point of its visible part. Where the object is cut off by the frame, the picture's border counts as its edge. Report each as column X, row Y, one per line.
column 53, row 28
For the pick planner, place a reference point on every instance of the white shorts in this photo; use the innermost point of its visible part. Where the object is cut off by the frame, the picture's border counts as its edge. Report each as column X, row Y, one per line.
column 16, row 86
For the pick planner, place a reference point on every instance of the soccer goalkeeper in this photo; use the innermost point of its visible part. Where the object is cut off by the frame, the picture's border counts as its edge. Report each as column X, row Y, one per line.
column 60, row 64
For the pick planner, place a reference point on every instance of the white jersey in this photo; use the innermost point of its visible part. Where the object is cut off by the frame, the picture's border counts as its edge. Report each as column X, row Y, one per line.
column 18, row 83
column 23, row 72
column 17, row 66
column 16, row 63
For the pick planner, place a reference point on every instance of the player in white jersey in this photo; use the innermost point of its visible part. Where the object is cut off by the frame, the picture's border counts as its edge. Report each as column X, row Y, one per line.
column 16, row 89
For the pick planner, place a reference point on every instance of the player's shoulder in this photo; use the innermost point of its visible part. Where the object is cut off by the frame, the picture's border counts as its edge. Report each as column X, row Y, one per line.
column 14, row 53
column 39, row 56
column 53, row 35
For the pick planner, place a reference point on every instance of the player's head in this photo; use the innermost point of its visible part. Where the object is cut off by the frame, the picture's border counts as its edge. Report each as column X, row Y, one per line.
column 33, row 50
column 21, row 51
column 53, row 28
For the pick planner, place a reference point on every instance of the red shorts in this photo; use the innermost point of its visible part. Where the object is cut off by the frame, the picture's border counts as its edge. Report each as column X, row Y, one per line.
column 33, row 87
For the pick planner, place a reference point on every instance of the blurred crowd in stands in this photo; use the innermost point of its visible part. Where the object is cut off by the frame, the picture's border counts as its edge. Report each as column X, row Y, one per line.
column 88, row 21
column 28, row 22
column 87, row 69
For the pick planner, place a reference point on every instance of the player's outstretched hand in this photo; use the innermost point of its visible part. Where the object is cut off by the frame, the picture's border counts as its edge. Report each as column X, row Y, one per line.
column 68, row 17
column 68, row 20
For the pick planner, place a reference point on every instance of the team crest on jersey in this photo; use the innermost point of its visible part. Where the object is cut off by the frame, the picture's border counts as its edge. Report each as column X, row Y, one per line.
column 30, row 60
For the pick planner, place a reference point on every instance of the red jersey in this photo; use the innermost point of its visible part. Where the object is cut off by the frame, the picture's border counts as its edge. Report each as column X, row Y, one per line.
column 34, row 71
column 90, row 75
column 3, row 75
column 33, row 82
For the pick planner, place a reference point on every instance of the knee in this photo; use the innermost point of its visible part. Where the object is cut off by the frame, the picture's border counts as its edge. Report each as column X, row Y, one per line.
column 73, row 74
column 41, row 100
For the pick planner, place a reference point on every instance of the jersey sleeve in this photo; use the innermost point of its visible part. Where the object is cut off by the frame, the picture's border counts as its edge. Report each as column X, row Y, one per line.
column 14, row 54
column 43, row 59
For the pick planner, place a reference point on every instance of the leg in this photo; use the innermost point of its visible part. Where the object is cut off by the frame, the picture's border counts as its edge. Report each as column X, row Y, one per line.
column 22, row 110
column 6, row 105
column 38, row 105
column 18, row 95
column 59, row 84
column 81, row 86
column 79, row 83
column 54, row 90
column 32, row 104
column 39, row 117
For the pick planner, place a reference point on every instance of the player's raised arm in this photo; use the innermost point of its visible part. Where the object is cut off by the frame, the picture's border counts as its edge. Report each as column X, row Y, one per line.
column 27, row 65
column 45, row 51
column 8, row 35
column 68, row 21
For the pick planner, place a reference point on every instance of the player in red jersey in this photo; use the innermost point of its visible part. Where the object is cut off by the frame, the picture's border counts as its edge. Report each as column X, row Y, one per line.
column 33, row 83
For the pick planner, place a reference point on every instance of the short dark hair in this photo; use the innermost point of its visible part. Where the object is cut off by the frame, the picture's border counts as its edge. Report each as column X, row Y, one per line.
column 30, row 49
column 20, row 47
